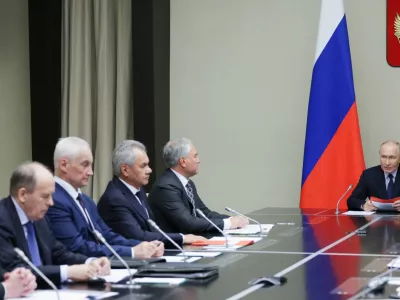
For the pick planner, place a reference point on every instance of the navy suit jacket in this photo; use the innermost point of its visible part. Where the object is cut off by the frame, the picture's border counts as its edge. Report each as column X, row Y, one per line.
column 121, row 211
column 71, row 228
column 174, row 211
column 52, row 252
column 1, row 286
column 372, row 183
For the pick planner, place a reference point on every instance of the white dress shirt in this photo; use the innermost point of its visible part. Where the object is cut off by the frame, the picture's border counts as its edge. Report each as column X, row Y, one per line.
column 184, row 181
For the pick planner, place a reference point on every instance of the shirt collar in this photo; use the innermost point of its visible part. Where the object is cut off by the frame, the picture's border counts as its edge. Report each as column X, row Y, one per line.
column 68, row 187
column 181, row 178
column 394, row 173
column 130, row 187
column 23, row 218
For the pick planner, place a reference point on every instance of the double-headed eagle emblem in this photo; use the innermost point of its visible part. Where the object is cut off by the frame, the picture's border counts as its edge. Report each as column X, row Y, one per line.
column 397, row 27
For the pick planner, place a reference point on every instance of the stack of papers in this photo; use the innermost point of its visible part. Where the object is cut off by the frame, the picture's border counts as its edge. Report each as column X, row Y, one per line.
column 358, row 213
column 117, row 275
column 395, row 263
column 180, row 258
column 159, row 280
column 250, row 229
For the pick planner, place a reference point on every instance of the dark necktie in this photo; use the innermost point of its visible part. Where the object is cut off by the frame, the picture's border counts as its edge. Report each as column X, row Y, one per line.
column 189, row 191
column 139, row 196
column 390, row 186
column 91, row 226
column 32, row 244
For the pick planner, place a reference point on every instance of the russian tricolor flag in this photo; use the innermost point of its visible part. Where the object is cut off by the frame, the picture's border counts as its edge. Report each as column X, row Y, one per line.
column 333, row 156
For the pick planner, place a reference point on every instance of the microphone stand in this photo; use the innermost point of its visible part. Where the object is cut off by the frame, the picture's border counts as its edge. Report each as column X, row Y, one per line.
column 238, row 213
column 40, row 273
column 213, row 224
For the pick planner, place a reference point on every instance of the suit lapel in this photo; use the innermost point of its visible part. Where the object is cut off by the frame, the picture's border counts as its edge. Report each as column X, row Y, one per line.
column 183, row 189
column 397, row 185
column 19, row 230
column 131, row 198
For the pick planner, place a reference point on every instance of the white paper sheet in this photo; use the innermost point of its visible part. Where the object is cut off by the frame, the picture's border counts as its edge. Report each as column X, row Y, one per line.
column 358, row 213
column 383, row 206
column 117, row 275
column 202, row 254
column 180, row 258
column 65, row 295
column 250, row 229
column 154, row 280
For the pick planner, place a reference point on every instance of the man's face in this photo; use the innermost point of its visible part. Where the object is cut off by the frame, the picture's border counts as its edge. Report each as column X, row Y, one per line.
column 37, row 203
column 390, row 157
column 191, row 162
column 138, row 174
column 78, row 171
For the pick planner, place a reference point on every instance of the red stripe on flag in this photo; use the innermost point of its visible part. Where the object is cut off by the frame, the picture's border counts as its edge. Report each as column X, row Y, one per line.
column 340, row 165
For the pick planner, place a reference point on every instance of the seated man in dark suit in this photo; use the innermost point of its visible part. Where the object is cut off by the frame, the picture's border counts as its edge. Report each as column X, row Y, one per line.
column 22, row 225
column 20, row 282
column 381, row 181
column 174, row 197
column 123, row 206
column 74, row 216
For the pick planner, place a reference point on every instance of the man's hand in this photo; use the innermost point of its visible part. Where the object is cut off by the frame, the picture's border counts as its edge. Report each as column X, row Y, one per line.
column 19, row 282
column 368, row 206
column 145, row 250
column 102, row 265
column 159, row 248
column 396, row 205
column 191, row 238
column 238, row 222
column 81, row 272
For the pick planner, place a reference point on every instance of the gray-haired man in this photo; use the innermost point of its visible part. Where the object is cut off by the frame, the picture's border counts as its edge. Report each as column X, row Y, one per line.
column 174, row 197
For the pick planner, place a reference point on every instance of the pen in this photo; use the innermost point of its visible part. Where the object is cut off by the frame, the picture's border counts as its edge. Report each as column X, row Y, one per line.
column 289, row 223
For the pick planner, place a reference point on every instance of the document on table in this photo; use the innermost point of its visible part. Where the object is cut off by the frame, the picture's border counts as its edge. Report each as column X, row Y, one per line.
column 180, row 258
column 250, row 229
column 158, row 280
column 383, row 204
column 202, row 254
column 117, row 275
column 358, row 213
column 66, row 295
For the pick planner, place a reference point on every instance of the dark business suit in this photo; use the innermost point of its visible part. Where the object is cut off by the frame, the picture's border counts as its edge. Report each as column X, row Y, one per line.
column 121, row 210
column 372, row 183
column 173, row 210
column 52, row 253
column 2, row 291
column 71, row 228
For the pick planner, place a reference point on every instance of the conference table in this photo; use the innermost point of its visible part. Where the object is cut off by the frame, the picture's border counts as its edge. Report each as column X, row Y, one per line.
column 315, row 253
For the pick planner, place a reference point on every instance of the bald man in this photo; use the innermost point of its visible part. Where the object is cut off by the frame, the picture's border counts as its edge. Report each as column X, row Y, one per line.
column 22, row 225
column 381, row 181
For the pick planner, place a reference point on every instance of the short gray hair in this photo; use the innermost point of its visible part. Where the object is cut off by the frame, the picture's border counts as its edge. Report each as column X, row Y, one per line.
column 124, row 154
column 69, row 147
column 174, row 150
column 25, row 176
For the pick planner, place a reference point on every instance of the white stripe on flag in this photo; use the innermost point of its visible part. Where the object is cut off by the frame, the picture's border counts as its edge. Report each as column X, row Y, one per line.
column 332, row 12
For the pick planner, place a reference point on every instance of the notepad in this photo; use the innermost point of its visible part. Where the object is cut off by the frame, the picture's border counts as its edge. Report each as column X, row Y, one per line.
column 180, row 258
column 383, row 204
column 202, row 254
column 117, row 275
column 250, row 229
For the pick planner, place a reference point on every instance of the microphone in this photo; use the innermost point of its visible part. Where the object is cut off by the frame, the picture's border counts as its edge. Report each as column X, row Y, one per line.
column 45, row 278
column 103, row 240
column 344, row 194
column 213, row 224
column 156, row 227
column 238, row 213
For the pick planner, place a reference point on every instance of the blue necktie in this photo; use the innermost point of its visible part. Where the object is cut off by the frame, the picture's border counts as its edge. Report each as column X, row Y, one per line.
column 390, row 186
column 32, row 244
